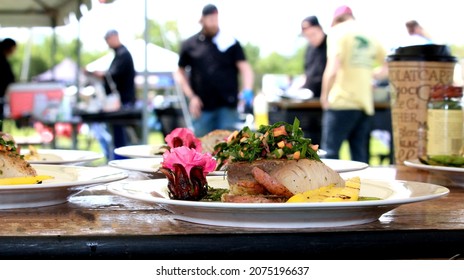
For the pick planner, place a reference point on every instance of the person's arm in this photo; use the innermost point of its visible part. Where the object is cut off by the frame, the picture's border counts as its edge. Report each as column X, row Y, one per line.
column 195, row 103
column 381, row 72
column 246, row 73
column 328, row 79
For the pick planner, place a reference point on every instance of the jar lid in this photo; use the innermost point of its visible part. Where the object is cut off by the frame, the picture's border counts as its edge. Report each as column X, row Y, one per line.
column 442, row 91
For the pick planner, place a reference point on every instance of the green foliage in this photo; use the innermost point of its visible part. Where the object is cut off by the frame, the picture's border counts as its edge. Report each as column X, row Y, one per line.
column 457, row 51
column 164, row 35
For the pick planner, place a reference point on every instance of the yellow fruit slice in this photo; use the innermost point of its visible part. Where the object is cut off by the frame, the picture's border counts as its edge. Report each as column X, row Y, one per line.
column 331, row 193
column 24, row 180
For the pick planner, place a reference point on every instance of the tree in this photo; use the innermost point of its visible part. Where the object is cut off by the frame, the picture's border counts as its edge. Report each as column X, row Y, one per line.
column 164, row 35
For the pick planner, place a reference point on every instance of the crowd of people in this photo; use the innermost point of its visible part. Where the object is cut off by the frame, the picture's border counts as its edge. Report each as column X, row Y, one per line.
column 217, row 79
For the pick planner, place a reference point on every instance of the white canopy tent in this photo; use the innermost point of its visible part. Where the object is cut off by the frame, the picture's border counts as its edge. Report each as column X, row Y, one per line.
column 64, row 72
column 41, row 13
column 33, row 13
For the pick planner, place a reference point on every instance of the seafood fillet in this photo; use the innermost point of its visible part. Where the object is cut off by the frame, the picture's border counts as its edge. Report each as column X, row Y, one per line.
column 12, row 165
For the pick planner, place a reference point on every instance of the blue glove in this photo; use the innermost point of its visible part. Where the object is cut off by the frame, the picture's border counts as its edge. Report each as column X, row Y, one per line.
column 247, row 96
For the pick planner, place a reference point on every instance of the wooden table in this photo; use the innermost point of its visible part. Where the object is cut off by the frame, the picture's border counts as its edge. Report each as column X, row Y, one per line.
column 97, row 224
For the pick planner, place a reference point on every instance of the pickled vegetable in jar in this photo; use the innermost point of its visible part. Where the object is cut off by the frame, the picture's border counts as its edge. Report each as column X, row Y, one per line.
column 445, row 121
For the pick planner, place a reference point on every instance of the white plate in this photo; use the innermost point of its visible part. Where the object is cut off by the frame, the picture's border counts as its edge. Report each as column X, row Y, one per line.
column 67, row 181
column 146, row 165
column 148, row 151
column 56, row 156
column 283, row 215
column 150, row 165
column 139, row 151
column 341, row 165
column 455, row 174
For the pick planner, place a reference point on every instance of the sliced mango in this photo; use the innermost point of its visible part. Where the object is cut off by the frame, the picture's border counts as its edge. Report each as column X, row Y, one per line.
column 24, row 180
column 331, row 193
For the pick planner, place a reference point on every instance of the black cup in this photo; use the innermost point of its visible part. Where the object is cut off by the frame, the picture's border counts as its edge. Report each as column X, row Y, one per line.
column 429, row 52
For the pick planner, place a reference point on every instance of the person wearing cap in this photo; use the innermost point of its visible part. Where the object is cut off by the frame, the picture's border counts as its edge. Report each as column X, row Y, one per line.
column 119, row 76
column 354, row 60
column 315, row 60
column 315, row 55
column 210, row 63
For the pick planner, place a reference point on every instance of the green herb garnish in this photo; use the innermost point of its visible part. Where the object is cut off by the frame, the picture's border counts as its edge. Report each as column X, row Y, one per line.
column 278, row 141
column 214, row 194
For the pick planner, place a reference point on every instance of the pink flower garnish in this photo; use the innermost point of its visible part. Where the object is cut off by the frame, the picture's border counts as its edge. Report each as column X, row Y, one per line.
column 188, row 158
column 186, row 170
column 182, row 136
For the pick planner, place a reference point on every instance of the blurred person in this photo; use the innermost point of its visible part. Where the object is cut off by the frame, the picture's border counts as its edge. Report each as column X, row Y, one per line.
column 315, row 55
column 347, row 86
column 314, row 65
column 417, row 34
column 7, row 77
column 120, row 75
column 209, row 66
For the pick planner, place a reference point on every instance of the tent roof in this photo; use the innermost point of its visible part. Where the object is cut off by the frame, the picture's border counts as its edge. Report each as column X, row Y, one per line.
column 159, row 60
column 30, row 13
column 65, row 72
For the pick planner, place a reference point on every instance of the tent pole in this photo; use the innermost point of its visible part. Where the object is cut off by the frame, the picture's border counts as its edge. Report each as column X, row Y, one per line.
column 145, row 84
column 78, row 50
column 54, row 48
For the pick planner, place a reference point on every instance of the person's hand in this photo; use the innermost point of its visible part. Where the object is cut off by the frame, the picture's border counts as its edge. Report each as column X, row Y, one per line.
column 247, row 97
column 324, row 103
column 195, row 106
column 98, row 74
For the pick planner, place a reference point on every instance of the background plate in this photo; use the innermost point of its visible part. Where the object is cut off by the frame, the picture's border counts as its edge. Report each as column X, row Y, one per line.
column 139, row 151
column 68, row 180
column 56, row 156
column 455, row 174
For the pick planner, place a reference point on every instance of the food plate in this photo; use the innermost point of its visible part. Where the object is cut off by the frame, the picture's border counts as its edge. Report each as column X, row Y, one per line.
column 67, row 181
column 150, row 165
column 56, row 156
column 146, row 165
column 340, row 165
column 282, row 215
column 455, row 174
column 139, row 151
column 149, row 151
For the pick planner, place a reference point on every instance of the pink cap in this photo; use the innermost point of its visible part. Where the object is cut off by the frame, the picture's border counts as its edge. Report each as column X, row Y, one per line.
column 340, row 11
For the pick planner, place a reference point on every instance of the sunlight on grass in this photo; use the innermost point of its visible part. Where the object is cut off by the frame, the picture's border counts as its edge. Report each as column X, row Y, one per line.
column 377, row 149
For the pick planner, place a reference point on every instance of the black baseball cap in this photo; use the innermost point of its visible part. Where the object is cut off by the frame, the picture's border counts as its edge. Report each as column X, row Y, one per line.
column 312, row 20
column 209, row 10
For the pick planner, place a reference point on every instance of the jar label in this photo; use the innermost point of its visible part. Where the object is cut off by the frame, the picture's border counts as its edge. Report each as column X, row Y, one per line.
column 445, row 131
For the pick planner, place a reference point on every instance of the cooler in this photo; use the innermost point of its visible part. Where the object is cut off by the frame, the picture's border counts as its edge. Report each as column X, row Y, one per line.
column 27, row 99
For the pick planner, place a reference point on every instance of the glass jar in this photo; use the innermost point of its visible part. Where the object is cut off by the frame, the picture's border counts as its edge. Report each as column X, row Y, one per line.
column 445, row 121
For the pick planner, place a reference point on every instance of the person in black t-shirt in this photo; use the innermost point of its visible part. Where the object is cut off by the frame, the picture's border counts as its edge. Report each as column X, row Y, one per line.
column 121, row 75
column 314, row 66
column 209, row 66
column 316, row 54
